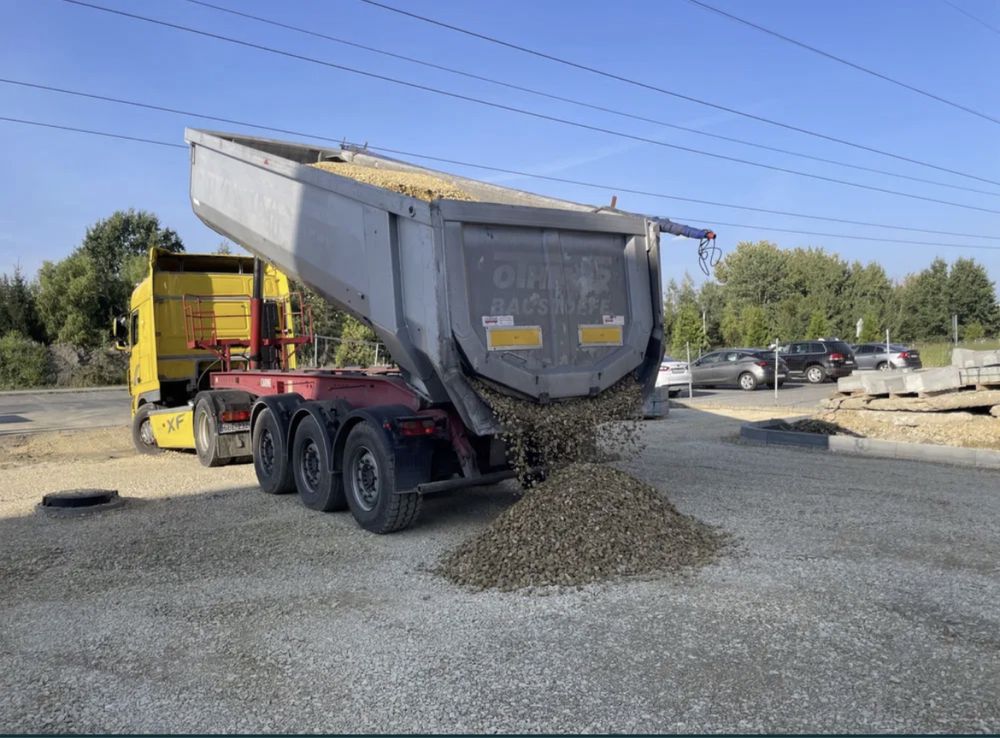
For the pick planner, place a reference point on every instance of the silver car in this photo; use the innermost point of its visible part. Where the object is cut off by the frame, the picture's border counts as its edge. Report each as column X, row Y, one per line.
column 748, row 369
column 874, row 356
column 674, row 376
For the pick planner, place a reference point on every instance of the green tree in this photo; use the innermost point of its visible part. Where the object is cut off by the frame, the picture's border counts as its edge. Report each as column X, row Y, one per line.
column 754, row 273
column 971, row 294
column 973, row 331
column 712, row 301
column 818, row 327
column 871, row 329
column 687, row 332
column 731, row 326
column 754, row 326
column 18, row 309
column 69, row 301
column 791, row 316
column 23, row 363
column 357, row 344
column 924, row 305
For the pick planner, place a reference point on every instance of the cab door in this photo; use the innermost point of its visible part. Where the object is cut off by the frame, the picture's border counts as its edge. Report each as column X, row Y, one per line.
column 142, row 375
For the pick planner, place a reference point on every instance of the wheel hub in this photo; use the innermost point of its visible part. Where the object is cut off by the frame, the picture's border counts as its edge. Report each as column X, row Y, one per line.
column 146, row 433
column 365, row 479
column 311, row 466
column 267, row 451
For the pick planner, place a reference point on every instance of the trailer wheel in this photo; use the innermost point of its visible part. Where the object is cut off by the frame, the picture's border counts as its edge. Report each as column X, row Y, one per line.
column 206, row 434
column 270, row 457
column 370, row 483
column 319, row 487
column 142, row 431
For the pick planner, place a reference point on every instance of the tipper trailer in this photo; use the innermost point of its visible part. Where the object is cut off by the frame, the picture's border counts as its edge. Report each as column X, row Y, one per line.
column 535, row 297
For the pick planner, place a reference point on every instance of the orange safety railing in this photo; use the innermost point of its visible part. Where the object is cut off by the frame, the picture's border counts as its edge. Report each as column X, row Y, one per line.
column 209, row 326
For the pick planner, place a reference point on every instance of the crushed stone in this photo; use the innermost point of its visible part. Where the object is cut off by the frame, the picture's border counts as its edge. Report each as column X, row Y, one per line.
column 414, row 184
column 584, row 523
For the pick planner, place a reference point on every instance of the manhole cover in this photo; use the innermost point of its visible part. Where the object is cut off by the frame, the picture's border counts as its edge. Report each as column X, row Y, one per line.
column 80, row 501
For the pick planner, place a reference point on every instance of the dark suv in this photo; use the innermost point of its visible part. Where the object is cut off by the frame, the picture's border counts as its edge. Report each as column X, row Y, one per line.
column 818, row 360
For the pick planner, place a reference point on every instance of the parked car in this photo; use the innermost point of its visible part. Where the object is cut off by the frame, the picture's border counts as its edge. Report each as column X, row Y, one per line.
column 874, row 356
column 746, row 368
column 819, row 360
column 674, row 376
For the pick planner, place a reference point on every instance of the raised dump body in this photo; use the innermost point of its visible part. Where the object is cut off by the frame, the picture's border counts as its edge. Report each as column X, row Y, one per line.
column 545, row 298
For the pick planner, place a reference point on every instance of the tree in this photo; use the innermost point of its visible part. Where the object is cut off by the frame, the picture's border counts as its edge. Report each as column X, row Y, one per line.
column 712, row 301
column 971, row 295
column 924, row 305
column 973, row 331
column 69, row 301
column 687, row 331
column 754, row 326
column 731, row 326
column 753, row 273
column 23, row 363
column 18, row 311
column 357, row 344
column 818, row 325
column 871, row 330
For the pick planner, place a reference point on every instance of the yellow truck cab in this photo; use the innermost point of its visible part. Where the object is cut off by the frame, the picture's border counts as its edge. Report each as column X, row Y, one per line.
column 183, row 300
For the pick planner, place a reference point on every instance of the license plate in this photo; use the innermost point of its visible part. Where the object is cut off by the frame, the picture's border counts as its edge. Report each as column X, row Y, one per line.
column 782, row 376
column 848, row 362
column 234, row 427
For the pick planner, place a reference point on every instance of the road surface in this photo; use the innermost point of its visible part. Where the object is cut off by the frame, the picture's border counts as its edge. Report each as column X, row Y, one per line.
column 33, row 412
column 793, row 398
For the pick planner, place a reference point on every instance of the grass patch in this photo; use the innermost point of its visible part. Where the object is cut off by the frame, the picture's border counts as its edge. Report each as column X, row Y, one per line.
column 938, row 353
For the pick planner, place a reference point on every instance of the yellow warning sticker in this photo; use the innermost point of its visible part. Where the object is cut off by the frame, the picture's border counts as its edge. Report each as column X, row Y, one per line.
column 515, row 338
column 601, row 335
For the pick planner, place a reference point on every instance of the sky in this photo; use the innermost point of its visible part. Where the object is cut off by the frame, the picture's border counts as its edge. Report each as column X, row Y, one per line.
column 57, row 183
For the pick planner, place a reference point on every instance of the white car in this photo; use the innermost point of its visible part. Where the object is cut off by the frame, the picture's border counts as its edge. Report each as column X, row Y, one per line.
column 674, row 375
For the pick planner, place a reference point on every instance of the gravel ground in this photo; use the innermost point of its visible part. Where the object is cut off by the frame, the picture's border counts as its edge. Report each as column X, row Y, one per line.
column 861, row 596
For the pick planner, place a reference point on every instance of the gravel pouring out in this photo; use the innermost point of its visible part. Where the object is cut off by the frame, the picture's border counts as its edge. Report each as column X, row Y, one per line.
column 585, row 522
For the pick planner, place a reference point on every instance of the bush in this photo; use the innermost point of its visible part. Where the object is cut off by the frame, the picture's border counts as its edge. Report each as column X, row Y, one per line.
column 23, row 363
column 974, row 331
column 77, row 367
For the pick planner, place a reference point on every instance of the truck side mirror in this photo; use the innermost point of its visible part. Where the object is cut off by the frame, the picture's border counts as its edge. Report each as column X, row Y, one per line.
column 119, row 332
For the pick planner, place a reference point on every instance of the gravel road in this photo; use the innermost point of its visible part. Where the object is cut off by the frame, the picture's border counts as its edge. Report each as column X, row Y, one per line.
column 860, row 596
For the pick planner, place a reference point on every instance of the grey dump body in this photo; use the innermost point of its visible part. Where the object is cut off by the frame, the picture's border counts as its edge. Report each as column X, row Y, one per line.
column 447, row 284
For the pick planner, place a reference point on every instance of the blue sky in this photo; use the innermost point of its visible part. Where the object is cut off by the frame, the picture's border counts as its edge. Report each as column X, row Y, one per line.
column 57, row 183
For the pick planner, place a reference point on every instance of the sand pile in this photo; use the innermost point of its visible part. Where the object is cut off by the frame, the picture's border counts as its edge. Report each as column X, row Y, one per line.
column 414, row 184
column 585, row 523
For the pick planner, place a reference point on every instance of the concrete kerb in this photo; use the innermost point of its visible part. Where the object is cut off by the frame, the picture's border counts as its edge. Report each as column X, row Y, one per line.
column 769, row 432
column 63, row 390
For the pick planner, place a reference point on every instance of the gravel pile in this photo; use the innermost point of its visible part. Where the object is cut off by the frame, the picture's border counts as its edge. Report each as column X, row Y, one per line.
column 585, row 523
column 567, row 431
column 414, row 184
column 582, row 521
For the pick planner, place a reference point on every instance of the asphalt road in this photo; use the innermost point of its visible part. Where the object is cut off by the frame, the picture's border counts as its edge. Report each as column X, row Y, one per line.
column 860, row 596
column 792, row 396
column 32, row 412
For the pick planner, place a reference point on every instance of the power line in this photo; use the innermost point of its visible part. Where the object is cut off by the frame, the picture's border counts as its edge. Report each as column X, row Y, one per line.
column 474, row 165
column 580, row 103
column 733, row 225
column 530, row 113
column 977, row 19
column 92, row 132
column 845, row 62
column 672, row 93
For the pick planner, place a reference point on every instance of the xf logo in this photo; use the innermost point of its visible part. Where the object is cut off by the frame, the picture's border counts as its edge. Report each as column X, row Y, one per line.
column 175, row 423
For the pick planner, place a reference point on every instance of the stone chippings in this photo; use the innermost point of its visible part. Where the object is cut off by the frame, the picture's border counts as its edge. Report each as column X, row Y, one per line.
column 414, row 184
column 585, row 522
column 562, row 432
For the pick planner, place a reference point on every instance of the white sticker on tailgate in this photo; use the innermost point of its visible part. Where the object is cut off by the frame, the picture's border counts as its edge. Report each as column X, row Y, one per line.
column 614, row 319
column 493, row 320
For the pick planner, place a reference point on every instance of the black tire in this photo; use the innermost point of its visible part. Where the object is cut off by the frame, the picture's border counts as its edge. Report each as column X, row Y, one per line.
column 747, row 382
column 882, row 366
column 206, row 434
column 673, row 393
column 142, row 431
column 815, row 374
column 319, row 488
column 370, row 483
column 270, row 456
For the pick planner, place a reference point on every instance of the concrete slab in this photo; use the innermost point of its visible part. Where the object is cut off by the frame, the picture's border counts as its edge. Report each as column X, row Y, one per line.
column 980, row 375
column 968, row 358
column 874, row 383
column 851, row 383
column 934, row 380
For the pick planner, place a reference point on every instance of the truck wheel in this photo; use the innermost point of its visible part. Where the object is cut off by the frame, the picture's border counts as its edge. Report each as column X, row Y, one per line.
column 370, row 483
column 270, row 457
column 142, row 431
column 206, row 434
column 815, row 374
column 748, row 382
column 319, row 488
